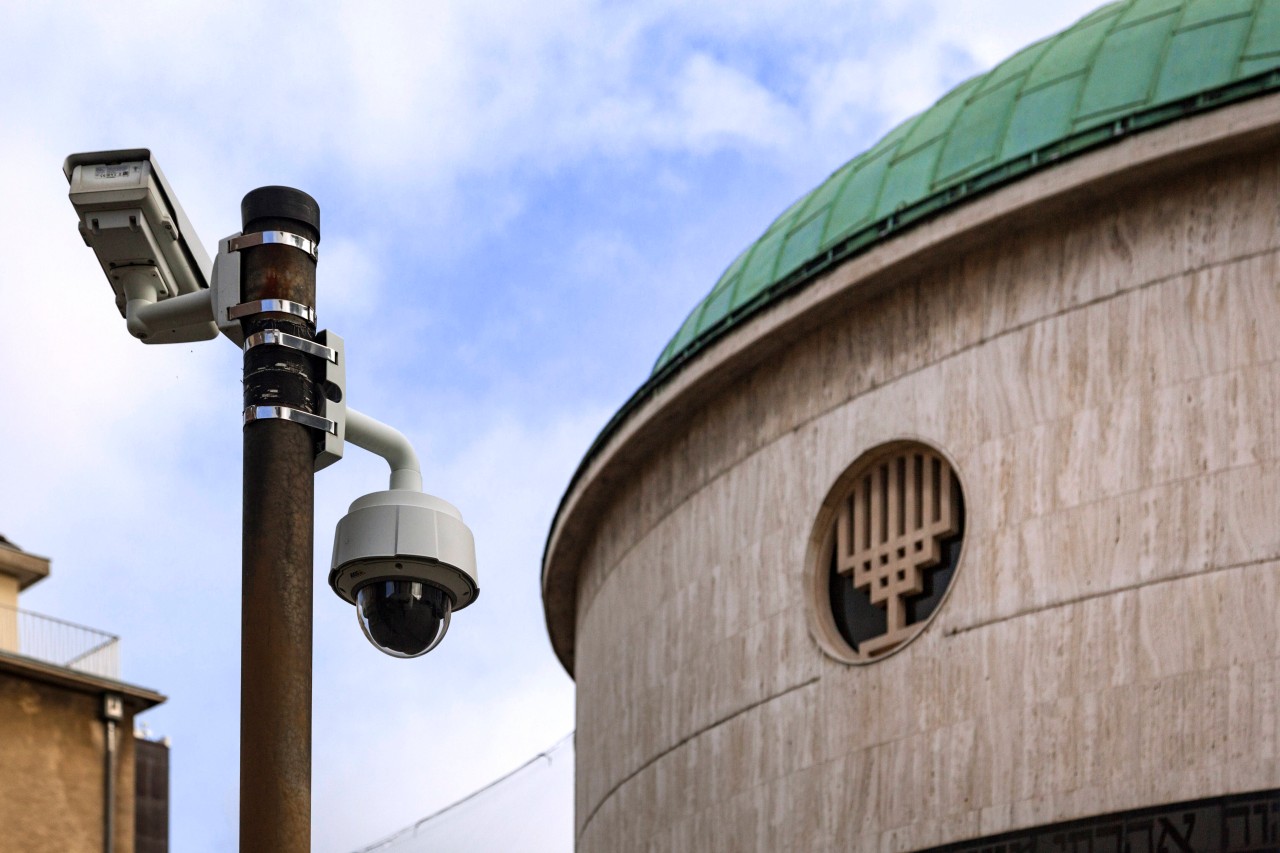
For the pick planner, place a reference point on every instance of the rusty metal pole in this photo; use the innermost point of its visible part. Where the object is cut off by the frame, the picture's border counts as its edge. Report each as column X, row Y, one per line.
column 275, row 655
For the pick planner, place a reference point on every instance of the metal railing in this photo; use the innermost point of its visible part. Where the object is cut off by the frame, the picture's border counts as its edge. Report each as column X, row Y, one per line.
column 59, row 642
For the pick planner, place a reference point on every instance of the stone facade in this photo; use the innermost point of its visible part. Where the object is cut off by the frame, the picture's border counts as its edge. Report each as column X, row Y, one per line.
column 56, row 680
column 1096, row 350
column 52, row 743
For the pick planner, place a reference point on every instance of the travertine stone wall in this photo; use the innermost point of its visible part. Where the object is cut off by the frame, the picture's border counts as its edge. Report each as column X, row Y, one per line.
column 1107, row 381
column 52, row 743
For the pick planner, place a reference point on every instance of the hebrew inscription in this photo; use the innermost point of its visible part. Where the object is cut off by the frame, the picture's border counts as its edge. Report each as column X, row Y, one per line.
column 1247, row 823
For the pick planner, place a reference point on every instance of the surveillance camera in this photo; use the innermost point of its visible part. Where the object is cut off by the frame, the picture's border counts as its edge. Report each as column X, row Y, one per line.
column 406, row 561
column 132, row 220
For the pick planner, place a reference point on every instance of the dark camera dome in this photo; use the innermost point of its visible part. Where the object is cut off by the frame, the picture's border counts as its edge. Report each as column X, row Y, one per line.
column 403, row 618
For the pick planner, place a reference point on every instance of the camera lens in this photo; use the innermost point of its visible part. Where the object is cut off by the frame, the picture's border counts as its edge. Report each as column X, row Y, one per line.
column 401, row 617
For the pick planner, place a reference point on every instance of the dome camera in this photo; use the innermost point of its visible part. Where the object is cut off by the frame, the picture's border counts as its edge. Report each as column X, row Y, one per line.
column 406, row 561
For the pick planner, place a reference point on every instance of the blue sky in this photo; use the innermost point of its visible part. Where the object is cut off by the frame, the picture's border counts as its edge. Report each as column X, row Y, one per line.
column 520, row 202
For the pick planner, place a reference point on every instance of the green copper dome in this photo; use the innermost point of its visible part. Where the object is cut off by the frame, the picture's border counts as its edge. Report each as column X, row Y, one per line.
column 1124, row 68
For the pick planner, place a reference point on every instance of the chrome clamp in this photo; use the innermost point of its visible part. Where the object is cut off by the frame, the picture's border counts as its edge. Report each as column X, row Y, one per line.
column 284, row 238
column 262, row 413
column 272, row 306
column 274, row 337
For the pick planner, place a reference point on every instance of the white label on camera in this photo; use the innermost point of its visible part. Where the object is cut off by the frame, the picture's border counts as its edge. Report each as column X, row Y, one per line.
column 119, row 170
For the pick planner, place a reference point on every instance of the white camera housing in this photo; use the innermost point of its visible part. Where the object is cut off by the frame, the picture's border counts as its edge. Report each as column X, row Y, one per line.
column 401, row 534
column 397, row 542
column 142, row 238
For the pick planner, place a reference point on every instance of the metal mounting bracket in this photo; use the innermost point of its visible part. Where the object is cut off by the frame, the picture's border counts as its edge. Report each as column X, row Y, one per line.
column 333, row 391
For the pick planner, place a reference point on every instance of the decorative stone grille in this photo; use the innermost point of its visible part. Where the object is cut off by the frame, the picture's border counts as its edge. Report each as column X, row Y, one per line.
column 902, row 518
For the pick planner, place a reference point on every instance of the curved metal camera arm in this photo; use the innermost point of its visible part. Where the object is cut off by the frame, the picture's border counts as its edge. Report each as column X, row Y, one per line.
column 389, row 443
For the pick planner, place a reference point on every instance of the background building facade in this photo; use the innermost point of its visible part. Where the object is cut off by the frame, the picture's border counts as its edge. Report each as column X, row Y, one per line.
column 67, row 744
column 1062, row 280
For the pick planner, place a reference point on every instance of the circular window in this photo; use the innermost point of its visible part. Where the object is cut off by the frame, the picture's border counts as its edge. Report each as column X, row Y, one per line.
column 884, row 550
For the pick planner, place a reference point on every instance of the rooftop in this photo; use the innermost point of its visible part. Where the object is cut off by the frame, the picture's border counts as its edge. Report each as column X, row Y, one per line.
column 1124, row 68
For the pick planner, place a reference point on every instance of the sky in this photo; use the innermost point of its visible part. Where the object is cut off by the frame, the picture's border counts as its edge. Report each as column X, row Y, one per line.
column 520, row 204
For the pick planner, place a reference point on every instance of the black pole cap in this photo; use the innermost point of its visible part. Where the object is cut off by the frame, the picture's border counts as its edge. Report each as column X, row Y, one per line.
column 280, row 203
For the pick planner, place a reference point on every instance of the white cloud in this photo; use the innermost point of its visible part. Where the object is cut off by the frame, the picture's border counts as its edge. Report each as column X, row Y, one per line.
column 718, row 104
column 352, row 277
column 415, row 97
column 992, row 31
